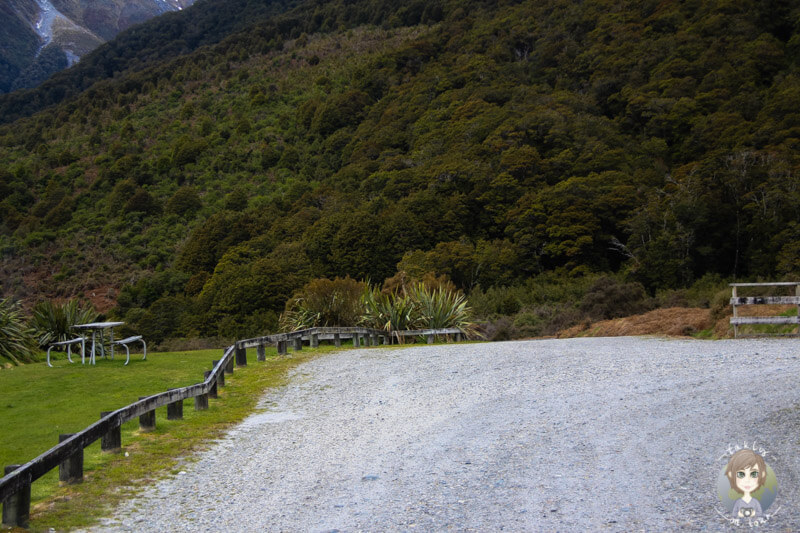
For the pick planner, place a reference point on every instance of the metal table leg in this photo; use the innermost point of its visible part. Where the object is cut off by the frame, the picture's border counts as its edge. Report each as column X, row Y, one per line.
column 93, row 360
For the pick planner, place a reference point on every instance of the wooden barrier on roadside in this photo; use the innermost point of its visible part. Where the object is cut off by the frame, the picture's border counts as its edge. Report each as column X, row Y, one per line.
column 15, row 485
column 369, row 337
column 737, row 301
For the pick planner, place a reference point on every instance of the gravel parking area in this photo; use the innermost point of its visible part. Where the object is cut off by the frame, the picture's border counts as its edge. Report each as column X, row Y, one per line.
column 598, row 434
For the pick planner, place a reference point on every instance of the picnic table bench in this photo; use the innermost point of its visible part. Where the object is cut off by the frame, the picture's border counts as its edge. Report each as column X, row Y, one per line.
column 68, row 344
column 124, row 342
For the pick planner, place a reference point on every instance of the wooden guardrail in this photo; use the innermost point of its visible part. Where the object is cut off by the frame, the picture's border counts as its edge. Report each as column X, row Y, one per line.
column 737, row 301
column 15, row 485
column 369, row 337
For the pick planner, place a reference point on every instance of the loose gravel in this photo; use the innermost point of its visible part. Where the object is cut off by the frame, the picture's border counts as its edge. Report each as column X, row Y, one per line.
column 600, row 434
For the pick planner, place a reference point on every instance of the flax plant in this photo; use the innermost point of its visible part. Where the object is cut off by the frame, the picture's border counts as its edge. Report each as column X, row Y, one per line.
column 53, row 322
column 17, row 341
column 389, row 312
column 336, row 303
column 441, row 308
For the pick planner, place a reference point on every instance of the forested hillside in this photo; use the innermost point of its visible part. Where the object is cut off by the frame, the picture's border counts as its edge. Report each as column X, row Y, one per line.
column 494, row 142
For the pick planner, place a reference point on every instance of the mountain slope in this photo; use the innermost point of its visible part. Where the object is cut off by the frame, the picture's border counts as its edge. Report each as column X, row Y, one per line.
column 41, row 37
column 489, row 142
column 19, row 42
column 161, row 39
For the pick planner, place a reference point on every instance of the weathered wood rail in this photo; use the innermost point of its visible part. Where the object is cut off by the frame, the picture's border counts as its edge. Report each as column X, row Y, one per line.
column 67, row 455
column 367, row 336
column 737, row 301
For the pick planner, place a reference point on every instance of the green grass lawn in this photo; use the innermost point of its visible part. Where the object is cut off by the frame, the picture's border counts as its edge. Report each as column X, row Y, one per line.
column 37, row 403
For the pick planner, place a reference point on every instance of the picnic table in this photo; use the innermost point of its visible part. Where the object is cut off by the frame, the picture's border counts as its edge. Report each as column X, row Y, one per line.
column 99, row 327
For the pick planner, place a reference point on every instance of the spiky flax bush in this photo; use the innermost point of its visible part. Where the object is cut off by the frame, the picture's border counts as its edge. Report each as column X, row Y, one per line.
column 17, row 342
column 53, row 322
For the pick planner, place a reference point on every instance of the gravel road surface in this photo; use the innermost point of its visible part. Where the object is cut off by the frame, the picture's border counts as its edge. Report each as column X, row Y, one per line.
column 600, row 434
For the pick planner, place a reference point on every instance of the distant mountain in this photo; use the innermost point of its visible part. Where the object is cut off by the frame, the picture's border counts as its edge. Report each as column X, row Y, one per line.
column 41, row 37
column 160, row 39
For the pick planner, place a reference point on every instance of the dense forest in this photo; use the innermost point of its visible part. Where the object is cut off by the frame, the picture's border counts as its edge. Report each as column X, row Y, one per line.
column 198, row 184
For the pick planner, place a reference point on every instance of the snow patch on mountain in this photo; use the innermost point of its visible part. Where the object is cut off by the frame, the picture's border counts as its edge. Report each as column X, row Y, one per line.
column 44, row 26
column 53, row 26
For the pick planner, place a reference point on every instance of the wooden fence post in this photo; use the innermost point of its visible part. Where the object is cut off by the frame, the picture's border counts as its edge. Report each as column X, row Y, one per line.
column 212, row 393
column 220, row 377
column 375, row 339
column 735, row 314
column 70, row 471
column 387, row 339
column 314, row 342
column 147, row 421
column 298, row 344
column 241, row 355
column 282, row 348
column 201, row 402
column 229, row 366
column 261, row 350
column 111, row 442
column 17, row 507
column 175, row 409
column 356, row 341
column 337, row 340
column 430, row 339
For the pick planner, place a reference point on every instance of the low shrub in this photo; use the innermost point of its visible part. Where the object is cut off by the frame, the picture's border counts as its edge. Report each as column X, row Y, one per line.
column 608, row 298
column 501, row 329
column 325, row 303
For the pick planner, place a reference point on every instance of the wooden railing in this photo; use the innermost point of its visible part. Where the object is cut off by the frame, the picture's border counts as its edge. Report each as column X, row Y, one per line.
column 15, row 486
column 370, row 337
column 737, row 301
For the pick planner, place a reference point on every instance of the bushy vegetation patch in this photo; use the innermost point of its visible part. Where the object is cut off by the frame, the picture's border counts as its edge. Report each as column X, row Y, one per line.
column 323, row 303
column 403, row 304
column 549, row 304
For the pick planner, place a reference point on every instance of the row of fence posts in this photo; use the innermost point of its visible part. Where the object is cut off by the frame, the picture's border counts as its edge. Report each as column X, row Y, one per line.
column 369, row 339
column 313, row 342
column 16, row 508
